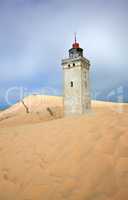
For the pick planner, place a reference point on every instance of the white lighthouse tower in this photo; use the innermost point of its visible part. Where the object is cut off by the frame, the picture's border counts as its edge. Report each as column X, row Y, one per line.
column 77, row 98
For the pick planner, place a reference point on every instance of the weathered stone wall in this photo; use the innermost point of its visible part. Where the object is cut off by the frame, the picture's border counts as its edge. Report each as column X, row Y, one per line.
column 86, row 100
column 76, row 86
column 72, row 95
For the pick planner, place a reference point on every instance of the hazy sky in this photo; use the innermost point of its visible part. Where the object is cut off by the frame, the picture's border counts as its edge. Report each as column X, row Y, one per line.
column 36, row 34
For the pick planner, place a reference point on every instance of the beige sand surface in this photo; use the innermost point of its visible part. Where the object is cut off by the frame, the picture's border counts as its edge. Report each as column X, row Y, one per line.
column 73, row 158
column 35, row 103
column 38, row 107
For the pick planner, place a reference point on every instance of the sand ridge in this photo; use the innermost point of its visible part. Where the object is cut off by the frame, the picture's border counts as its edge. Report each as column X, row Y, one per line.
column 41, row 108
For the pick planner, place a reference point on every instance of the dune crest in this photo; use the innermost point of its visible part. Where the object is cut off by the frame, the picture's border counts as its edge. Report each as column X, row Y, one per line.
column 32, row 109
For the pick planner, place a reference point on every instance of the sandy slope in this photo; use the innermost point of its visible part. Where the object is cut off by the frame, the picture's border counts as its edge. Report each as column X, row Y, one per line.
column 38, row 107
column 75, row 158
column 35, row 103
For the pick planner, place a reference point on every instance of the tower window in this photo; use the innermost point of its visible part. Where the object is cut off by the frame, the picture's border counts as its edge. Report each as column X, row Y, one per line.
column 71, row 83
column 73, row 64
column 85, row 84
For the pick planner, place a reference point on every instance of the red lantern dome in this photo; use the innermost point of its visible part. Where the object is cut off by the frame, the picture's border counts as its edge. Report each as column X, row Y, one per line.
column 75, row 44
column 75, row 51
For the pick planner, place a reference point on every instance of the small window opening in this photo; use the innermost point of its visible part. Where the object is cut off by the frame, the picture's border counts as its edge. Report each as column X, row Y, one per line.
column 69, row 66
column 85, row 84
column 71, row 83
column 73, row 64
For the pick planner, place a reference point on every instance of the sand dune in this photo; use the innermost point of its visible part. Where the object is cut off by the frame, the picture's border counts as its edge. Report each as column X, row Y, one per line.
column 35, row 103
column 39, row 108
column 73, row 158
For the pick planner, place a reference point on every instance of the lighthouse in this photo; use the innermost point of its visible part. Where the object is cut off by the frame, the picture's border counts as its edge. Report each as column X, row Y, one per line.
column 76, row 67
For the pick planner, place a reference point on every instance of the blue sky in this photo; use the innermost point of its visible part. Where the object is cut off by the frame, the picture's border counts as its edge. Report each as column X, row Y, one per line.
column 36, row 34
